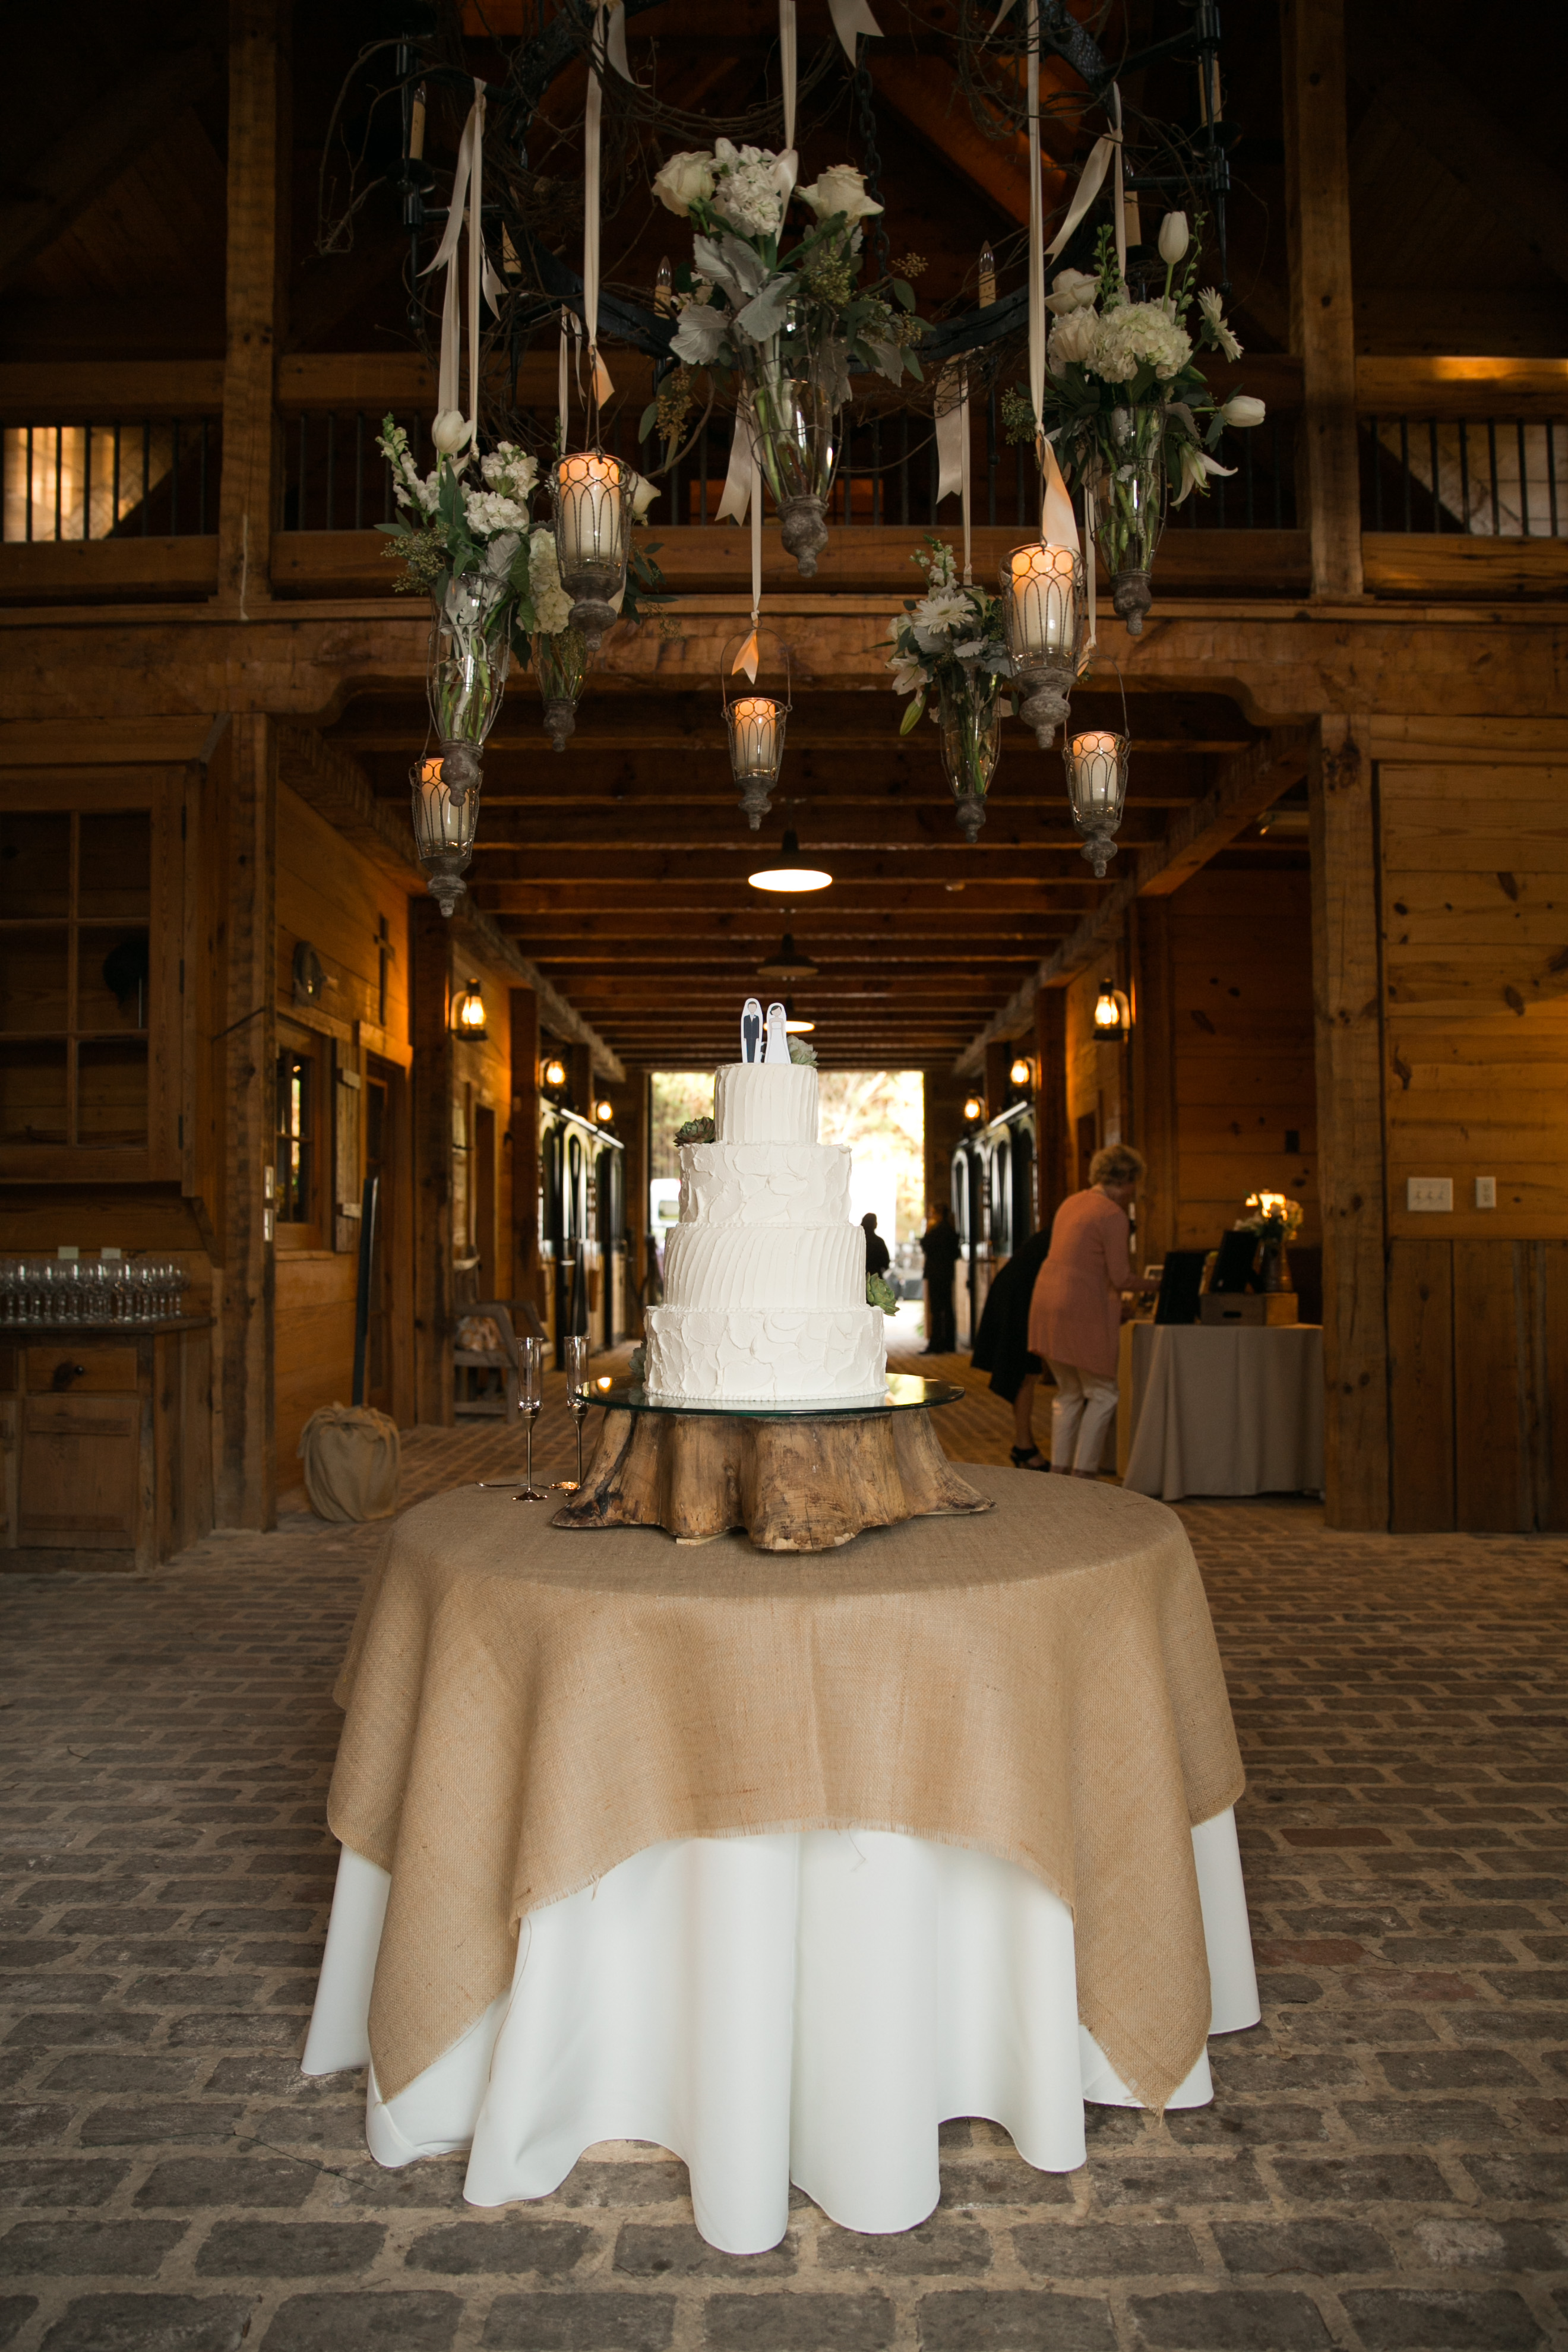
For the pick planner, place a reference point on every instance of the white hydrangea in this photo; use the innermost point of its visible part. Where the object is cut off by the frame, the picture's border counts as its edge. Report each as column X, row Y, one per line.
column 489, row 512
column 552, row 604
column 746, row 189
column 512, row 471
column 1136, row 335
column 1074, row 336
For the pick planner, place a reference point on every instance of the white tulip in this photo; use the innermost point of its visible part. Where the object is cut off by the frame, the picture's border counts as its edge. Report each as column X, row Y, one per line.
column 643, row 493
column 450, row 432
column 1072, row 290
column 686, row 178
column 1241, row 409
column 1174, row 238
column 840, row 189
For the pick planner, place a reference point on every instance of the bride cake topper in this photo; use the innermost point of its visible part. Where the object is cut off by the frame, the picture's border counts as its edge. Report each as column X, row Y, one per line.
column 778, row 1035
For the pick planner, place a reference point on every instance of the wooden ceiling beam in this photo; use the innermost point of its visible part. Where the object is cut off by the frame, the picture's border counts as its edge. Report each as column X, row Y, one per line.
column 834, row 831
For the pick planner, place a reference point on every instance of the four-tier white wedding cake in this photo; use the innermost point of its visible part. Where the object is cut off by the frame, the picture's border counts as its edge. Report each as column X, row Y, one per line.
column 764, row 1276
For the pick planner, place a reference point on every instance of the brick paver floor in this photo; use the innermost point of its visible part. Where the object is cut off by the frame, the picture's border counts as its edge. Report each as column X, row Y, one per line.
column 1387, row 2165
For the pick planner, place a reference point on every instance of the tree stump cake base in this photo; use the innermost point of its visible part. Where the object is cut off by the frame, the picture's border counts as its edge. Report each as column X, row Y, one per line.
column 807, row 1483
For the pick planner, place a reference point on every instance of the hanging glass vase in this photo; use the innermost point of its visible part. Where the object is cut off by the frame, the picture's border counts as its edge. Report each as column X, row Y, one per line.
column 969, row 718
column 591, row 509
column 797, row 438
column 445, row 823
column 1096, row 764
column 1045, row 614
column 561, row 661
column 1130, row 507
column 470, row 654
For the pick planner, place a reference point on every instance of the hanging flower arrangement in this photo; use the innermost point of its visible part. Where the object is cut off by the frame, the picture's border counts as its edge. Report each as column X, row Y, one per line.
column 950, row 652
column 785, row 325
column 1126, row 404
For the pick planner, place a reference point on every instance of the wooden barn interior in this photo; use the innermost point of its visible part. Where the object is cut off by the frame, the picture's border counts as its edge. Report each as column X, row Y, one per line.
column 1336, row 908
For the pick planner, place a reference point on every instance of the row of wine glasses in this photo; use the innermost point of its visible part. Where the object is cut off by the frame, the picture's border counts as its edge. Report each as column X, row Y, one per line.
column 82, row 1290
column 531, row 1397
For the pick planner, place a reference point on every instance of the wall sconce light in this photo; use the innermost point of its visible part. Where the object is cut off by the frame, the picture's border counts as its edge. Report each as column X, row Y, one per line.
column 1022, row 1073
column 553, row 1073
column 603, row 1112
column 468, row 1014
column 1112, row 1015
column 974, row 1109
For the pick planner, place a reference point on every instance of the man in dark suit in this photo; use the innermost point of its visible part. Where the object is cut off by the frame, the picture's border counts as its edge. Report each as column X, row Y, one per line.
column 877, row 1258
column 939, row 1247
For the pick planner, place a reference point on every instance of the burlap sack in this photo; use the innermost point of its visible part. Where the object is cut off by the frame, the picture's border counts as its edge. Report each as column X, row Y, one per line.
column 479, row 1335
column 350, row 1452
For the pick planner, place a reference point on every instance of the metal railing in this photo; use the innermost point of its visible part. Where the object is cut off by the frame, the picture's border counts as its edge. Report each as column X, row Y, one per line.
column 1482, row 477
column 151, row 477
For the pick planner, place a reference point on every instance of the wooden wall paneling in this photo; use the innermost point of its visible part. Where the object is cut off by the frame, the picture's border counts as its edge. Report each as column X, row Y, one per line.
column 1492, row 1465
column 314, row 1347
column 1000, row 1053
column 1051, row 1165
column 1346, row 988
column 433, row 1081
column 523, row 1014
column 258, row 257
column 581, row 1086
column 246, row 1086
column 1323, row 309
column 1420, row 1376
column 1551, row 1382
column 1154, row 1075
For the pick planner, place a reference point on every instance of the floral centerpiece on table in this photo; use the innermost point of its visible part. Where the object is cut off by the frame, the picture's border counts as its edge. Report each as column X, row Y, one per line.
column 789, row 325
column 1126, row 404
column 1276, row 1218
column 950, row 652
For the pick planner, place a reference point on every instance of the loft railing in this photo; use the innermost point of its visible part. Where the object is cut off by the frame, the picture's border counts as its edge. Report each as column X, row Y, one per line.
column 1481, row 477
column 150, row 477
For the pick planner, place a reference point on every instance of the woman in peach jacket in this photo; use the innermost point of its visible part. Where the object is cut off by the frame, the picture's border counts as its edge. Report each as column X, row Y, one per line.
column 1075, row 1316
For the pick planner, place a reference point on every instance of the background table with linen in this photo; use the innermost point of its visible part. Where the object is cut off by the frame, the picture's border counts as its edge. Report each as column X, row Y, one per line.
column 1221, row 1409
column 779, row 1859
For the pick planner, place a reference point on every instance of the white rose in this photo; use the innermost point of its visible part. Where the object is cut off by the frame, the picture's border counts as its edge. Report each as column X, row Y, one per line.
column 686, row 178
column 1241, row 409
column 1074, row 337
column 1174, row 238
column 1072, row 290
column 840, row 189
column 449, row 432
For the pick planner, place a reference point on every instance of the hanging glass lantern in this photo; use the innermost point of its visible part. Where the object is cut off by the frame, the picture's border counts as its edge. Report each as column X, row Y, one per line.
column 468, row 1014
column 1044, row 612
column 592, row 510
column 970, row 724
column 470, row 654
column 1096, row 765
column 445, row 823
column 797, row 436
column 756, row 714
column 561, row 662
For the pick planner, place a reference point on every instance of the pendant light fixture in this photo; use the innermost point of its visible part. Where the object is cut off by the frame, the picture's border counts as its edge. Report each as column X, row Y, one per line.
column 787, row 964
column 791, row 874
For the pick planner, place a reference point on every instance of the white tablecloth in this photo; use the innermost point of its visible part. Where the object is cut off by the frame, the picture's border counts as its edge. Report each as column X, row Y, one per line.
column 806, row 2007
column 1221, row 1409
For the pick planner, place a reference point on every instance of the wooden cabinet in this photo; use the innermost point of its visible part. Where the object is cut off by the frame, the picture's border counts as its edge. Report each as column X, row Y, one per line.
column 105, row 1455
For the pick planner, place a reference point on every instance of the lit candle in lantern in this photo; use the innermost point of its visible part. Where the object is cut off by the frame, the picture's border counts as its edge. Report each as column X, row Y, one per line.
column 1097, row 775
column 1043, row 615
column 756, row 733
column 589, row 533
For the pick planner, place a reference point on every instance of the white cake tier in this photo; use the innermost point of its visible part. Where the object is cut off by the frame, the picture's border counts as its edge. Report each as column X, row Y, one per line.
column 799, row 1270
column 765, row 1102
column 765, row 1184
column 764, row 1356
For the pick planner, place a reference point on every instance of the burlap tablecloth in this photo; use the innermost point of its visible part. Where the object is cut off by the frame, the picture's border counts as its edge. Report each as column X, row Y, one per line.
column 528, row 1706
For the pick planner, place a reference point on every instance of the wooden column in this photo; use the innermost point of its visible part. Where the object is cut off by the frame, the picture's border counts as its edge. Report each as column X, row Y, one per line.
column 1347, row 1000
column 243, row 778
column 1051, row 1102
column 1154, row 1075
column 999, row 1058
column 635, row 1125
column 430, row 1019
column 1322, row 317
column 580, row 1079
column 259, row 160
column 524, row 1153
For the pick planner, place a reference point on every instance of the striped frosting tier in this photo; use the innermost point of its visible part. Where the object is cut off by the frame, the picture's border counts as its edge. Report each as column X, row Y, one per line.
column 765, row 1102
column 722, row 1268
column 765, row 1356
column 764, row 1184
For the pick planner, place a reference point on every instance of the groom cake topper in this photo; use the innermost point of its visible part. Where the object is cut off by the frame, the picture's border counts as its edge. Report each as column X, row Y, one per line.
column 751, row 1031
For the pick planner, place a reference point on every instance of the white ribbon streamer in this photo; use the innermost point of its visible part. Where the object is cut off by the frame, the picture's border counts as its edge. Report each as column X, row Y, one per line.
column 964, row 486
column 1058, row 525
column 853, row 16
column 737, row 498
column 743, row 491
column 564, row 382
column 787, row 68
column 1107, row 145
column 603, row 387
column 1037, row 221
column 1089, row 565
column 948, row 433
column 467, row 202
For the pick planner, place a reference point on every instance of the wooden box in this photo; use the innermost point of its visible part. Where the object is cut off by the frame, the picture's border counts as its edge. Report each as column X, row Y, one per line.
column 1250, row 1306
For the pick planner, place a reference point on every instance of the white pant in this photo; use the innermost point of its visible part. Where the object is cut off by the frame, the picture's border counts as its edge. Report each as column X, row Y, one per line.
column 1083, row 1409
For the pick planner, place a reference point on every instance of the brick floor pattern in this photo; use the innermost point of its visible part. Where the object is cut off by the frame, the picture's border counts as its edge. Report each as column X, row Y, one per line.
column 1385, row 2167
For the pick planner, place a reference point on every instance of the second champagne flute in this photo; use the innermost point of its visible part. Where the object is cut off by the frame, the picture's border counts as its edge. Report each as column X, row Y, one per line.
column 529, row 1397
column 576, row 1353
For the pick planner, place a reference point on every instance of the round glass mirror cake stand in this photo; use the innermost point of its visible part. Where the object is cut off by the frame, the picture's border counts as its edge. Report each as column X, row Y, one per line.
column 902, row 1392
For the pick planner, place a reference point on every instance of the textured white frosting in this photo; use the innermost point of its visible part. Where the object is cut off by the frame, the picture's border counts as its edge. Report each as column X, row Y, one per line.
column 765, row 1184
column 761, row 1356
column 804, row 1267
column 765, row 1102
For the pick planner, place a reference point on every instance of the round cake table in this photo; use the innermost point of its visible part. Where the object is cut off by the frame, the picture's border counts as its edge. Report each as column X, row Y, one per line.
column 780, row 1861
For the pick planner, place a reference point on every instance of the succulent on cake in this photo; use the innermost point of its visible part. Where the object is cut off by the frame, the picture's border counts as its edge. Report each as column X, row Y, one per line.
column 801, row 1051
column 879, row 1292
column 696, row 1131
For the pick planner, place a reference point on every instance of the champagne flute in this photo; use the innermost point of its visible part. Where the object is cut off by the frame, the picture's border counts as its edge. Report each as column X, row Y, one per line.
column 529, row 1397
column 576, row 1351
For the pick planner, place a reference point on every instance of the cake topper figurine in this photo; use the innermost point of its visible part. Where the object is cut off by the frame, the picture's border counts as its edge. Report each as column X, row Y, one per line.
column 778, row 1035
column 751, row 1031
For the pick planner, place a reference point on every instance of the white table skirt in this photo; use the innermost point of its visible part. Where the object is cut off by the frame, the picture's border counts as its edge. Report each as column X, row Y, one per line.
column 1222, row 1409
column 805, row 2008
